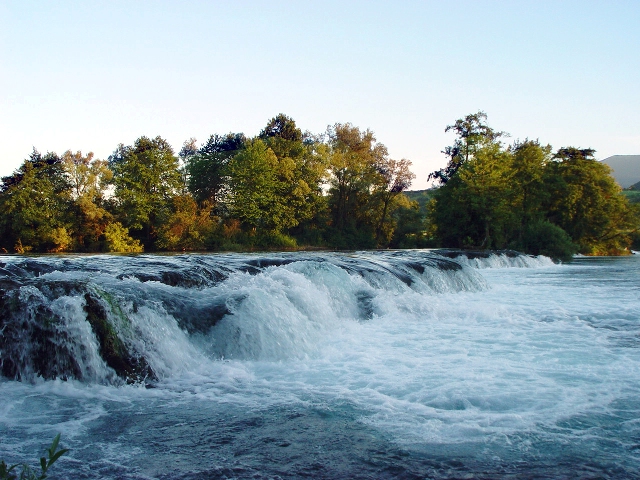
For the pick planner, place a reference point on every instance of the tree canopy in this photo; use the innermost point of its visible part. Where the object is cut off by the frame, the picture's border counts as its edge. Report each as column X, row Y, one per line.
column 340, row 189
column 232, row 191
column 145, row 177
column 523, row 196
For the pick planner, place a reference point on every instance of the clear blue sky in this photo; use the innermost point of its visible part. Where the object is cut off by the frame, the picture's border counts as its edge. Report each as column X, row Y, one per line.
column 87, row 75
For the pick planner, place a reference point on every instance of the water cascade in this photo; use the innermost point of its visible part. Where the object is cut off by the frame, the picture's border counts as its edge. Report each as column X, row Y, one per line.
column 137, row 319
column 386, row 364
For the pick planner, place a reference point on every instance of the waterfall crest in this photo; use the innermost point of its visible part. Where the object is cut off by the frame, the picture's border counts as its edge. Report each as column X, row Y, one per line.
column 115, row 319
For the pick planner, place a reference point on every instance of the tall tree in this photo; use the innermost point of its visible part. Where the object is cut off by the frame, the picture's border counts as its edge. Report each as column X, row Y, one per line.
column 301, row 167
column 86, row 175
column 283, row 129
column 34, row 206
column 353, row 161
column 254, row 189
column 472, row 133
column 187, row 152
column 206, row 166
column 395, row 177
column 473, row 209
column 530, row 160
column 487, row 185
column 89, row 179
column 586, row 202
column 146, row 176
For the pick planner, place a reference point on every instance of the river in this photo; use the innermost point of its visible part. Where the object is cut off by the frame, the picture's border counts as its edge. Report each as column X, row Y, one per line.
column 404, row 364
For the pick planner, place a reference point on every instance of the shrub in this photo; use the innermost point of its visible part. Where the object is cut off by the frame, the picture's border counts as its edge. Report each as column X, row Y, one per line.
column 58, row 240
column 275, row 240
column 545, row 238
column 118, row 240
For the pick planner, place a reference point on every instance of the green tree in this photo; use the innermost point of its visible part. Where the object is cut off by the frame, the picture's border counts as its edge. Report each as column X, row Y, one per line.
column 254, row 190
column 117, row 239
column 474, row 205
column 146, row 177
column 544, row 238
column 472, row 134
column 34, row 205
column 89, row 179
column 587, row 203
column 206, row 167
column 522, row 197
column 301, row 169
column 283, row 136
column 449, row 218
column 354, row 157
column 529, row 182
column 487, row 185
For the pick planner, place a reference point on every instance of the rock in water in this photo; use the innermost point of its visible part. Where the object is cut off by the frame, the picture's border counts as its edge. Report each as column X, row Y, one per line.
column 113, row 350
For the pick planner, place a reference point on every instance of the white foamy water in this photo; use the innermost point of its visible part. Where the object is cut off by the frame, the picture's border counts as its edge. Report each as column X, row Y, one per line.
column 508, row 367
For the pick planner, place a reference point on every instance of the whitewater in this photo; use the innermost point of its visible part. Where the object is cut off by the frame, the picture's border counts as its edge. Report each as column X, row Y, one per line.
column 385, row 364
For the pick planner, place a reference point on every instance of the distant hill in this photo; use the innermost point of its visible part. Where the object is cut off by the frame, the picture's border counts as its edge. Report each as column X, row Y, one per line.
column 626, row 169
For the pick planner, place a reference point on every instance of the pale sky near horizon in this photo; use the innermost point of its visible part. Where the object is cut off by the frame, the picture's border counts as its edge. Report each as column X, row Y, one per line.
column 88, row 75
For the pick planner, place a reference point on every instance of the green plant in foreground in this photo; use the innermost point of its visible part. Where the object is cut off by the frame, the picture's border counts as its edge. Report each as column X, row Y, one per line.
column 6, row 472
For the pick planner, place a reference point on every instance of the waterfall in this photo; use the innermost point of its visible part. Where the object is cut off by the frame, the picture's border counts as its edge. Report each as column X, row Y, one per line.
column 113, row 319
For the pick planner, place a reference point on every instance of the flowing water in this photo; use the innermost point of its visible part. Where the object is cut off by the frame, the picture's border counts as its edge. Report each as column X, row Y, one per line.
column 406, row 364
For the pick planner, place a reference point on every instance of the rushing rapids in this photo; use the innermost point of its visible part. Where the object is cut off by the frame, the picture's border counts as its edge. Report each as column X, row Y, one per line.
column 109, row 319
column 411, row 364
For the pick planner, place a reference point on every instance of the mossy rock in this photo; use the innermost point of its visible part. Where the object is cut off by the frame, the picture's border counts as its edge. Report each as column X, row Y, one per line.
column 35, row 341
column 114, row 352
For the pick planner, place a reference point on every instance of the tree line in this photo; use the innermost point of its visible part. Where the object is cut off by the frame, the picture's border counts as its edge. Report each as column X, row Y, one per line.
column 278, row 189
column 527, row 197
column 340, row 189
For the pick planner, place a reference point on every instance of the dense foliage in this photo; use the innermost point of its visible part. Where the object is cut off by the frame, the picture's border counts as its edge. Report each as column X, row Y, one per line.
column 277, row 190
column 284, row 188
column 526, row 197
